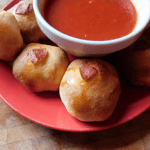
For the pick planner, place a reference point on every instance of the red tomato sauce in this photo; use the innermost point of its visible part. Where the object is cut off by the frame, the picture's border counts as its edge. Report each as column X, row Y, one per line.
column 91, row 19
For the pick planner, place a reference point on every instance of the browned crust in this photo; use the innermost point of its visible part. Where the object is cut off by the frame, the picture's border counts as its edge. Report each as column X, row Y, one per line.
column 93, row 100
column 46, row 74
column 10, row 37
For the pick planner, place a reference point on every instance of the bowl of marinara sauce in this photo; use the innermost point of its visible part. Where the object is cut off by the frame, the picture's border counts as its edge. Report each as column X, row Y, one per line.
column 92, row 28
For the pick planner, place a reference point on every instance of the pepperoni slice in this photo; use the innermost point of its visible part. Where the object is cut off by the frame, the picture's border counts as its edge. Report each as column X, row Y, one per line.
column 87, row 71
column 36, row 54
column 24, row 9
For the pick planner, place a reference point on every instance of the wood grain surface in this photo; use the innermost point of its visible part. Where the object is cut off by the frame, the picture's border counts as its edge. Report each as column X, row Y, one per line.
column 18, row 133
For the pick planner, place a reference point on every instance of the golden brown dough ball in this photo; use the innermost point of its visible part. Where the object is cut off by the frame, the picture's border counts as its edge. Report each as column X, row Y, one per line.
column 90, row 89
column 133, row 63
column 11, row 40
column 41, row 67
column 24, row 13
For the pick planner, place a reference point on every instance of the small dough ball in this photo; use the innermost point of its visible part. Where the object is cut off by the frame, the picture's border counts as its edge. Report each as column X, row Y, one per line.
column 41, row 67
column 133, row 63
column 24, row 13
column 11, row 40
column 90, row 89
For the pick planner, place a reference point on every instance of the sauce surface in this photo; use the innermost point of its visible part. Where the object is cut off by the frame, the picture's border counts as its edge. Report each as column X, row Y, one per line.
column 91, row 19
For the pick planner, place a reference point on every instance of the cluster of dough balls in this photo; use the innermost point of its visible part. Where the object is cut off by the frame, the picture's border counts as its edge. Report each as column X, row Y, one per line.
column 89, row 88
column 18, row 25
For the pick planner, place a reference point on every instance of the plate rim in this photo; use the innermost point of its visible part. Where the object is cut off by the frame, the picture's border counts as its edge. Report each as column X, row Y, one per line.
column 8, row 6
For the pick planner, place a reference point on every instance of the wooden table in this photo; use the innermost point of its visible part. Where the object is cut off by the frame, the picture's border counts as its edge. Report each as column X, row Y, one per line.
column 18, row 133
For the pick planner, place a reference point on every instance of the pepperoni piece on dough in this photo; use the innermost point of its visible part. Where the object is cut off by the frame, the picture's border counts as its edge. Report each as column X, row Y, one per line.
column 24, row 9
column 37, row 54
column 88, row 70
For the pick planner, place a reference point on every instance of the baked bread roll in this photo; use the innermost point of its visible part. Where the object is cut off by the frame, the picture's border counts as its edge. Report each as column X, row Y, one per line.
column 90, row 89
column 133, row 63
column 41, row 67
column 24, row 13
column 11, row 40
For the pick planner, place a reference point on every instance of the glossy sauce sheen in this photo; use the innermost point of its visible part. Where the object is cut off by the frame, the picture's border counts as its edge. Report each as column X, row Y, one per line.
column 91, row 19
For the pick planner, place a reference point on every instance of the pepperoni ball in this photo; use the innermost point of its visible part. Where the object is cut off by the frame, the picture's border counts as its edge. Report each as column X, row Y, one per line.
column 133, row 63
column 25, row 16
column 11, row 41
column 90, row 89
column 41, row 67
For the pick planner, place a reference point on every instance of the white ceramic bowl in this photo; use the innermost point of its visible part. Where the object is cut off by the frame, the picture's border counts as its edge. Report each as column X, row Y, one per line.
column 79, row 47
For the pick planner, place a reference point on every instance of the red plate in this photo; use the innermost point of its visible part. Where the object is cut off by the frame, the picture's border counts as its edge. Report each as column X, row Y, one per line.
column 47, row 109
